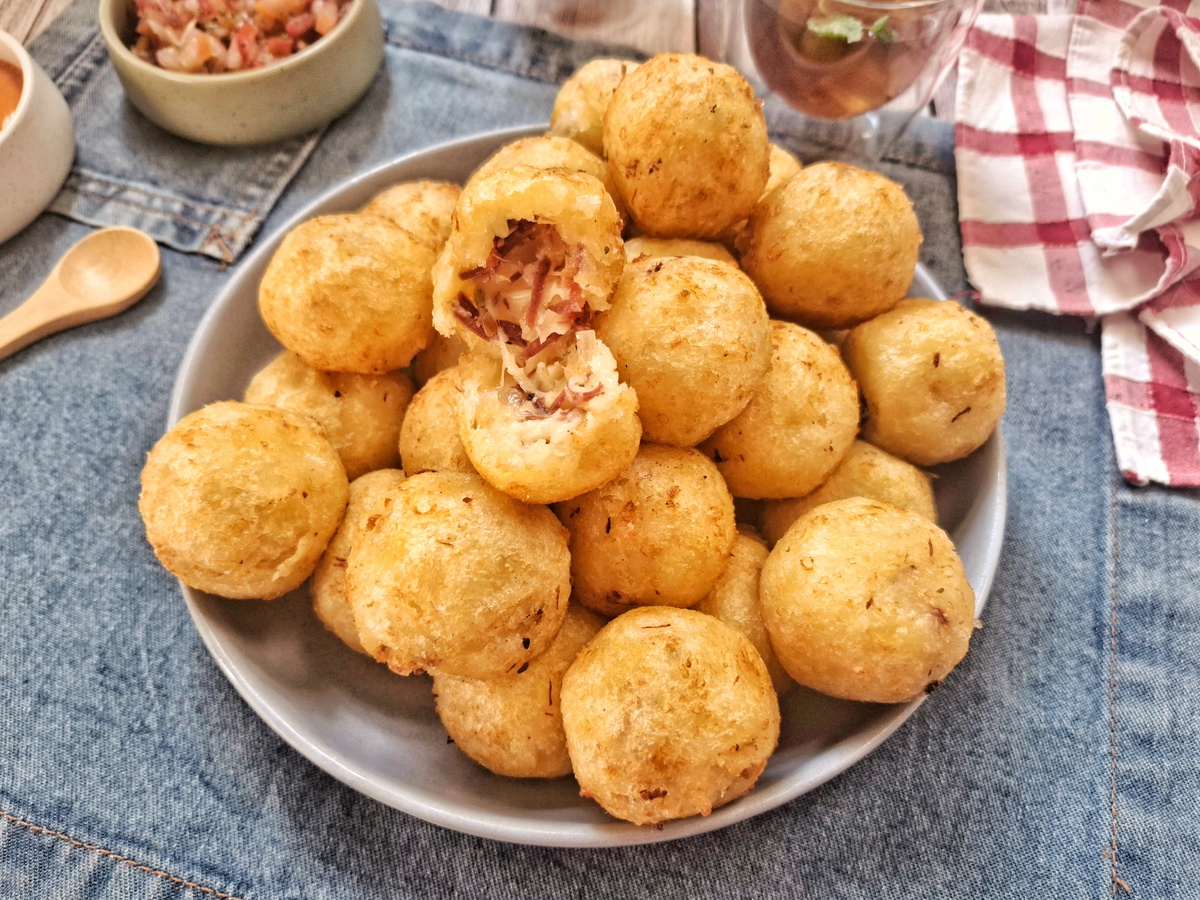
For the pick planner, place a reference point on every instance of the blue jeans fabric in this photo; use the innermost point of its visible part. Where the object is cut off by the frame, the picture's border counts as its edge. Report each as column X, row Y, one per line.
column 1060, row 759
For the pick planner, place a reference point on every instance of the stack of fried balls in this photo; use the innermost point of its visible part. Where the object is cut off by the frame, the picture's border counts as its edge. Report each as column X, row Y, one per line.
column 616, row 442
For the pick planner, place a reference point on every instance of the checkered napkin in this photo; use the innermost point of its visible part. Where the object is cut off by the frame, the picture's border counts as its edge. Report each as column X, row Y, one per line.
column 1078, row 153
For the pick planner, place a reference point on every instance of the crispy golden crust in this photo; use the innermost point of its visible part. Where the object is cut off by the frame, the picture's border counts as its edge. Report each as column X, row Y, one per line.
column 687, row 146
column 350, row 293
column 932, row 377
column 442, row 353
column 734, row 600
column 459, row 578
column 576, row 204
column 783, row 165
column 658, row 534
column 241, row 500
column 668, row 713
column 512, row 724
column 867, row 602
column 583, row 99
column 832, row 246
column 865, row 471
column 328, row 584
column 549, row 151
column 423, row 208
column 658, row 247
column 691, row 337
column 551, row 458
column 361, row 414
column 429, row 440
column 798, row 426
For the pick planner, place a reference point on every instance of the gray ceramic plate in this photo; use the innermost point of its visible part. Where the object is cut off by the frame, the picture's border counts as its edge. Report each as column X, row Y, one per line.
column 378, row 732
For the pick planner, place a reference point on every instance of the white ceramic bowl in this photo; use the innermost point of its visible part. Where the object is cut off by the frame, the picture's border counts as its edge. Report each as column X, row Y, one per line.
column 378, row 732
column 36, row 147
column 286, row 98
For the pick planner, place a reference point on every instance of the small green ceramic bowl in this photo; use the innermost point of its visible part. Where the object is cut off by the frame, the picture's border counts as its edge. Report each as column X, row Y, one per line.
column 256, row 106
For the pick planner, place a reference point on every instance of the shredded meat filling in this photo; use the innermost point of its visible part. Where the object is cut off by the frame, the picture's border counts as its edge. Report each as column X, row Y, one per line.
column 526, row 301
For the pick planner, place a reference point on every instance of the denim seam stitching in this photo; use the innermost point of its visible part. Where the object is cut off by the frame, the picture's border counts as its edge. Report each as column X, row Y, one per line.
column 191, row 885
column 224, row 211
column 1115, row 878
column 465, row 57
column 214, row 236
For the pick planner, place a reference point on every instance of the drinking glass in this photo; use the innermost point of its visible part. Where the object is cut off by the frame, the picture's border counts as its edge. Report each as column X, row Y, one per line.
column 873, row 63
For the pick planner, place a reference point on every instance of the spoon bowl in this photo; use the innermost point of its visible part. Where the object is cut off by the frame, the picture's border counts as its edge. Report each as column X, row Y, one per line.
column 104, row 274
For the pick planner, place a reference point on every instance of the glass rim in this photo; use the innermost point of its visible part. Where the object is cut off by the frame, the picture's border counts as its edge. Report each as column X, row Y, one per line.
column 884, row 6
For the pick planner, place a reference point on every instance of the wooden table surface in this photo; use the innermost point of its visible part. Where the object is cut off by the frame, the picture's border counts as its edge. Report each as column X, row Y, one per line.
column 693, row 26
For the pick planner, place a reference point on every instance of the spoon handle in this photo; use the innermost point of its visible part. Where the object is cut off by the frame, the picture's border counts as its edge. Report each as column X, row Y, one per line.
column 47, row 311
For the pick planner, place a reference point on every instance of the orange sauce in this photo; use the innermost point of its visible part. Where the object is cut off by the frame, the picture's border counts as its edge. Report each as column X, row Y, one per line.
column 10, row 90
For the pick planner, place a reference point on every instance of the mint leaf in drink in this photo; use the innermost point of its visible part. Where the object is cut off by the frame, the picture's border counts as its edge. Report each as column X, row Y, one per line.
column 881, row 32
column 838, row 28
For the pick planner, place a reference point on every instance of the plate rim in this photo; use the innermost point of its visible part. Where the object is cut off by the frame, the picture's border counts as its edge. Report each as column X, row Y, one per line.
column 484, row 823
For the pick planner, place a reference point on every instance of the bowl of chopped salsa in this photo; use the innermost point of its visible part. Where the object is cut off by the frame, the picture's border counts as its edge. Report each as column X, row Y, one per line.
column 238, row 72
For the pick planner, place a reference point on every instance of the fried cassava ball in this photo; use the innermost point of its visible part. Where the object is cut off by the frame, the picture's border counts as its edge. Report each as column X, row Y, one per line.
column 658, row 534
column 832, row 246
column 241, row 500
column 350, row 293
column 734, row 600
column 932, row 377
column 691, row 337
column 361, row 414
column 868, row 602
column 512, row 724
column 368, row 497
column 583, row 99
column 687, row 146
column 459, row 578
column 865, row 471
column 668, row 713
column 429, row 440
column 797, row 427
column 422, row 208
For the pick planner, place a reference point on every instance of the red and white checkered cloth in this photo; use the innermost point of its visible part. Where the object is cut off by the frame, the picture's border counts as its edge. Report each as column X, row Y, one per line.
column 1078, row 152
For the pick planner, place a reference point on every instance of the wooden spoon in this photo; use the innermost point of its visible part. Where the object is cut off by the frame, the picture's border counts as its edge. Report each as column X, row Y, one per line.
column 104, row 274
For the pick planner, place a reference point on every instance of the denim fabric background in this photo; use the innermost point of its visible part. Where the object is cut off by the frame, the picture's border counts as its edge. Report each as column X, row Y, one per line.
column 129, row 768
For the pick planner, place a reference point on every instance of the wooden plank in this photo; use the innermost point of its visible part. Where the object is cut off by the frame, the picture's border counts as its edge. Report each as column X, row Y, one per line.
column 26, row 19
column 669, row 26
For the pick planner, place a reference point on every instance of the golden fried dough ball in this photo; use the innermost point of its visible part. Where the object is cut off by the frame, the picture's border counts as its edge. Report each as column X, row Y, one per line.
column 549, row 151
column 782, row 166
column 797, row 427
column 832, row 246
column 368, row 495
column 429, row 440
column 442, row 353
column 361, row 414
column 691, row 337
column 687, row 146
column 932, row 376
column 734, row 600
column 583, row 99
column 657, row 534
column 349, row 293
column 511, row 223
column 658, row 247
column 422, row 208
column 459, row 578
column 543, row 456
column 512, row 724
column 668, row 713
column 865, row 471
column 241, row 500
column 868, row 602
